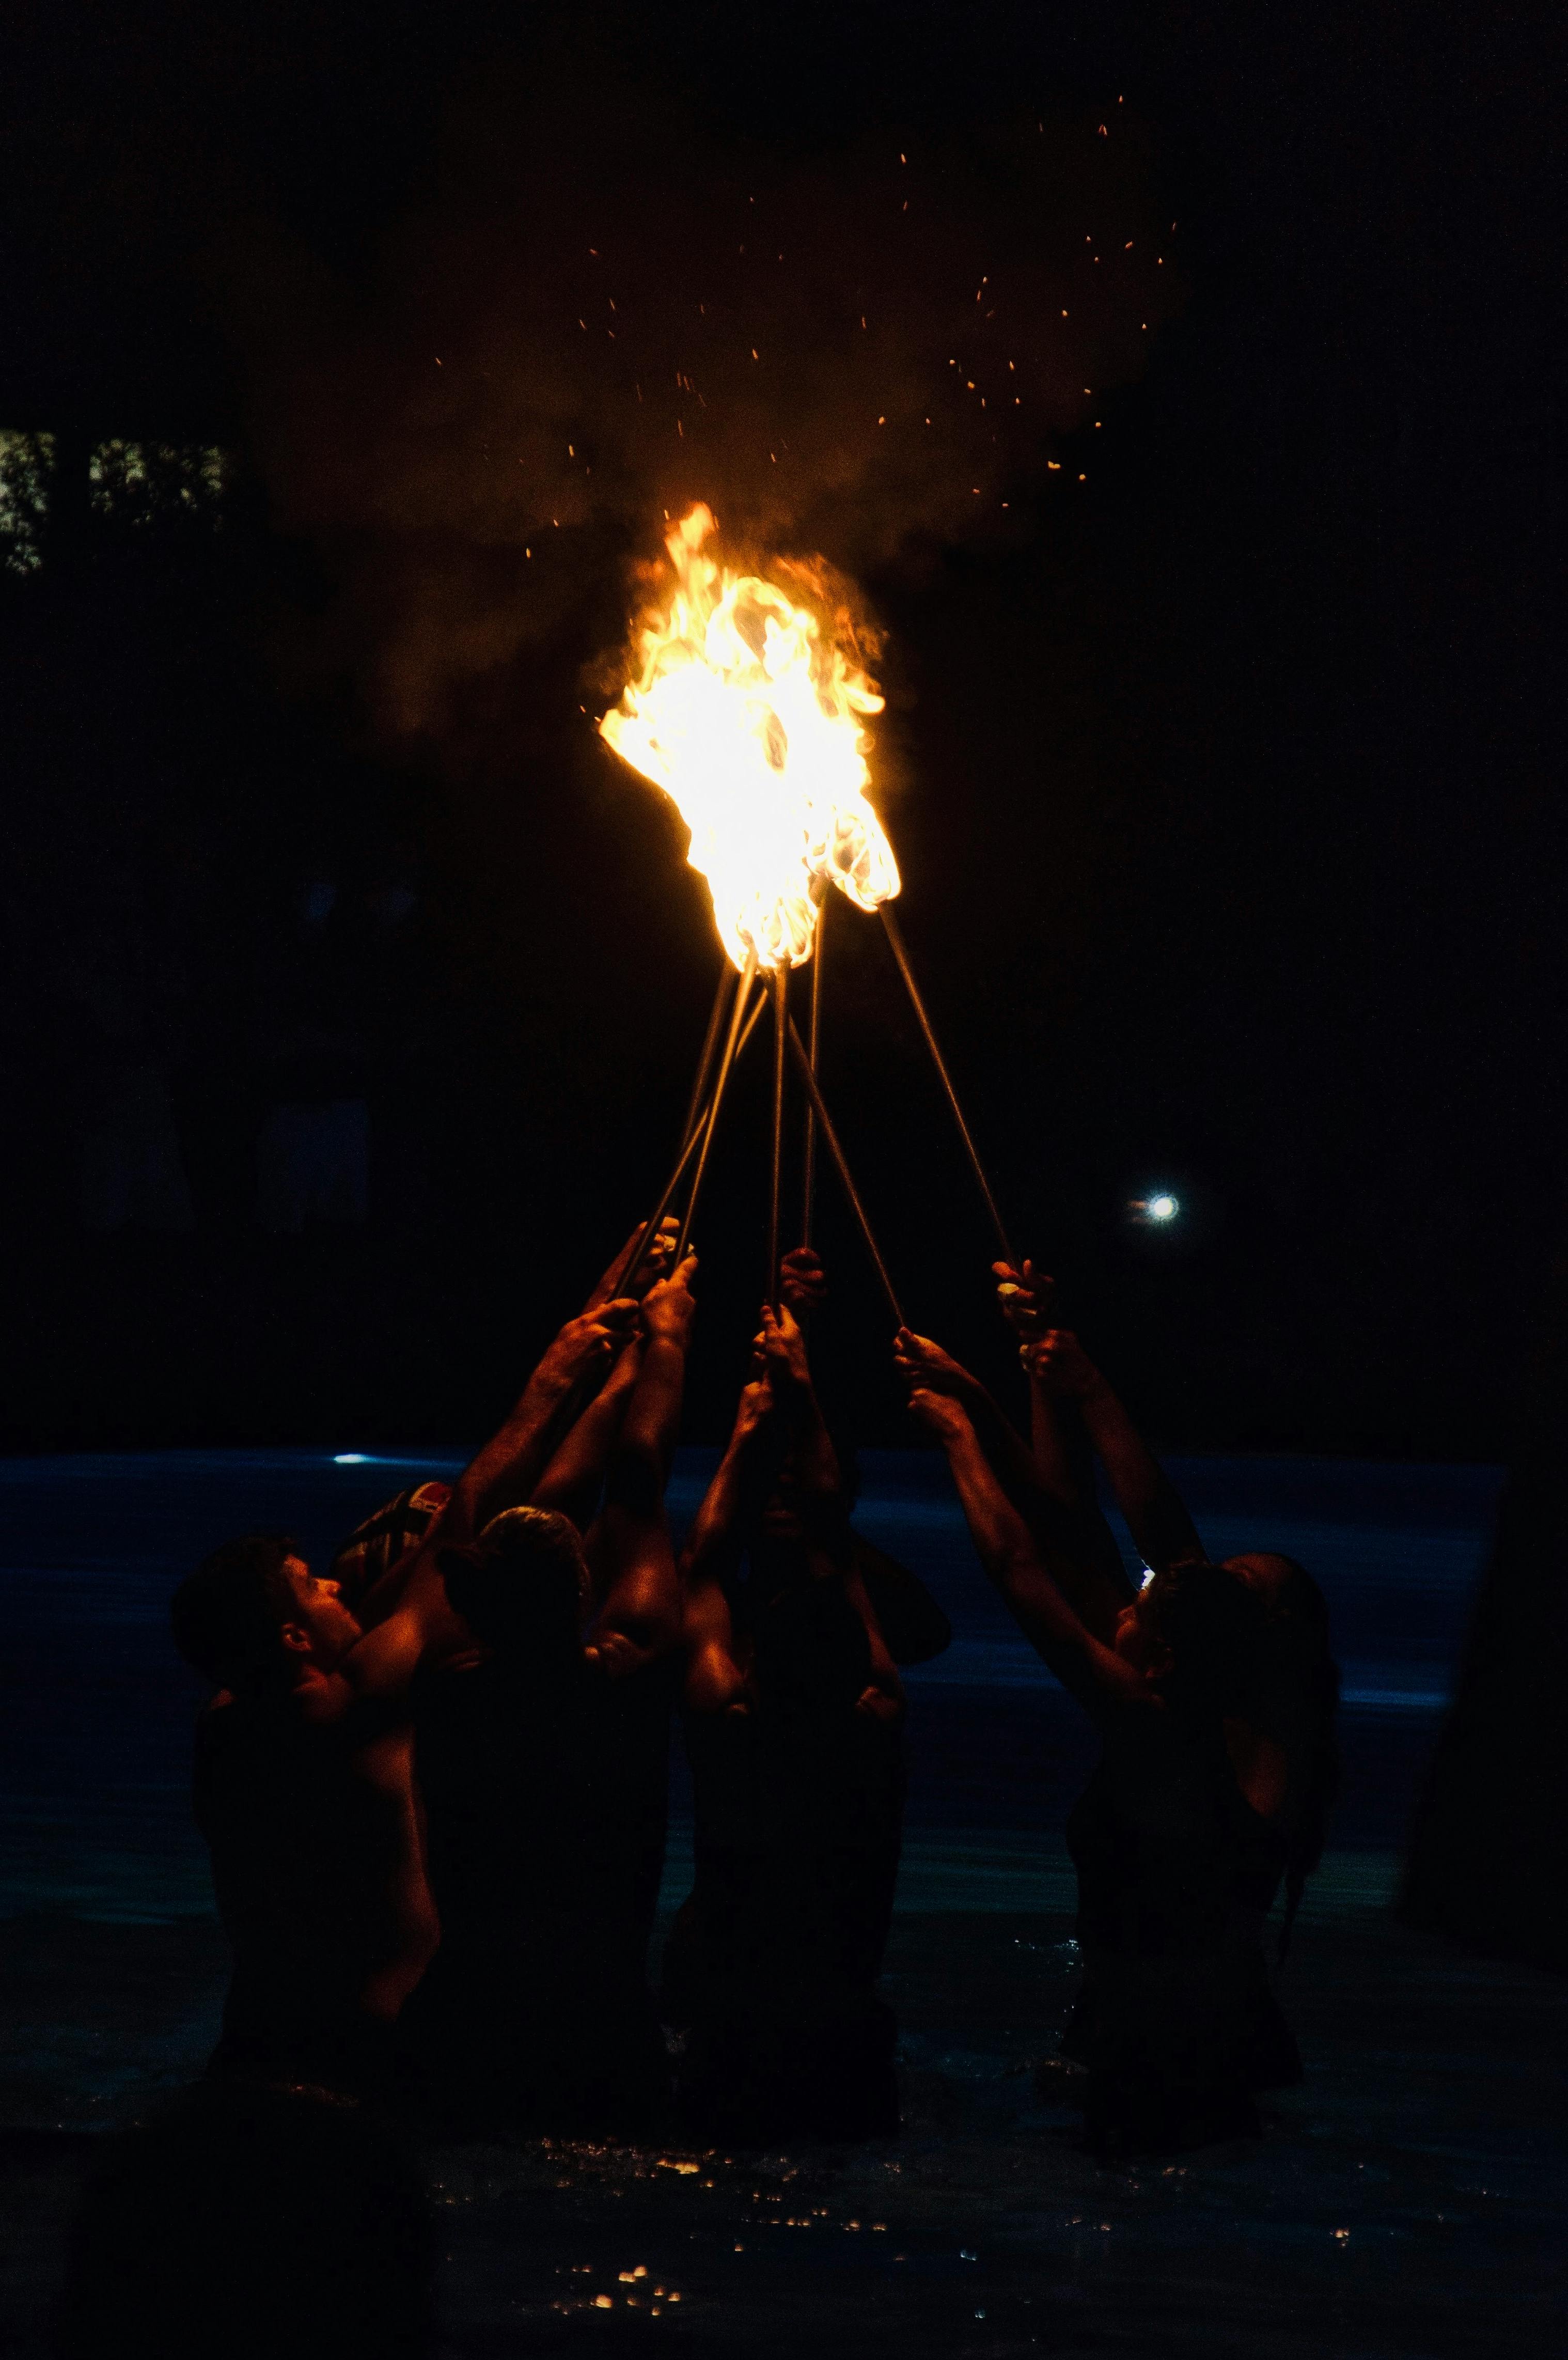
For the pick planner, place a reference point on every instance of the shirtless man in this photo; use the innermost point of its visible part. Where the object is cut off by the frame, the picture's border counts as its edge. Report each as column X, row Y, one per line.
column 794, row 1715
column 1213, row 1692
column 304, row 1786
column 542, row 1757
column 398, row 1526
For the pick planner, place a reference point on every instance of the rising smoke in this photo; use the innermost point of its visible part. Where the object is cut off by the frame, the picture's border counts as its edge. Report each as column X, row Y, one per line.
column 868, row 355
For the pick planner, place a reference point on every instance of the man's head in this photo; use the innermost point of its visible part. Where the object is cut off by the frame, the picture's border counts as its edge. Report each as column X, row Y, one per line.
column 1285, row 1589
column 253, row 1614
column 523, row 1588
column 793, row 1498
column 1294, row 1661
column 1191, row 1632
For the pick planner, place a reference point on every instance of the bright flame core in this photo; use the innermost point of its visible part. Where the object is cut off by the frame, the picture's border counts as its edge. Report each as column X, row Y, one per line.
column 749, row 719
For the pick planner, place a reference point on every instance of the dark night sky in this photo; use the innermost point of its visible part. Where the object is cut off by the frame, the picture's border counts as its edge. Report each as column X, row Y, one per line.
column 1221, row 781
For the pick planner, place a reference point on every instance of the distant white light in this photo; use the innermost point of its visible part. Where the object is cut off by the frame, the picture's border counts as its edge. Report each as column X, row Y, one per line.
column 1156, row 1211
column 350, row 1459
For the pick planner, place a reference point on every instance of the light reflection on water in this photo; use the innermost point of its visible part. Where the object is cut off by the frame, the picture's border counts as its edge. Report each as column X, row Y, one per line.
column 1407, row 2200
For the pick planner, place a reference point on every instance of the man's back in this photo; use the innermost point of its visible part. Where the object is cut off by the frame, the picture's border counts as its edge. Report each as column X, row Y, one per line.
column 319, row 1880
column 545, row 1818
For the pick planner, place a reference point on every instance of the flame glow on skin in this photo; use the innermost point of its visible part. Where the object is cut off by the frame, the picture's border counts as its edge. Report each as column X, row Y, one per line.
column 749, row 718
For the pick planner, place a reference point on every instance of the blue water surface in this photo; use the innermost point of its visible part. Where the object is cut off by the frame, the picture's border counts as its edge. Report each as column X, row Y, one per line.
column 95, row 1731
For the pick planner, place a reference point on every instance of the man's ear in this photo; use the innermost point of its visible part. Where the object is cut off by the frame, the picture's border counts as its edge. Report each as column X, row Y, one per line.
column 295, row 1638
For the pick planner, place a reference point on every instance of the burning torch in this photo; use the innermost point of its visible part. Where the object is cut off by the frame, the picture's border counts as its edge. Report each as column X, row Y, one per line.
column 750, row 717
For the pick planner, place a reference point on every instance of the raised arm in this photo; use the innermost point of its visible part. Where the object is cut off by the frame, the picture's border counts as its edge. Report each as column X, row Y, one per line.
column 920, row 1361
column 1087, row 1562
column 514, row 1464
column 825, row 1510
column 782, row 1344
column 731, row 1505
column 511, row 1463
column 1014, row 1562
column 575, row 1476
column 1025, row 1298
column 735, row 1497
column 1157, row 1516
column 620, row 1279
column 407, row 1613
column 640, row 1618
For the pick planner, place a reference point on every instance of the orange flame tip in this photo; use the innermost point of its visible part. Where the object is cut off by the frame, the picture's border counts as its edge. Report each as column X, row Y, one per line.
column 749, row 716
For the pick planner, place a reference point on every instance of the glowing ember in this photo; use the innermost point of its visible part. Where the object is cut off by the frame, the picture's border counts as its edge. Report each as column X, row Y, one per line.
column 749, row 717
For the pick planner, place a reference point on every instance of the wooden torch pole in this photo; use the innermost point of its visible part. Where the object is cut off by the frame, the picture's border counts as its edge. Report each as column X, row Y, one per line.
column 780, row 1019
column 897, row 941
column 706, row 1062
column 696, row 1113
column 711, row 1125
column 650, row 1227
column 830, row 1140
column 813, row 1038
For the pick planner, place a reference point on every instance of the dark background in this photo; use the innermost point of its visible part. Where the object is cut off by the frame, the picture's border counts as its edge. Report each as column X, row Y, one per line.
column 1220, row 779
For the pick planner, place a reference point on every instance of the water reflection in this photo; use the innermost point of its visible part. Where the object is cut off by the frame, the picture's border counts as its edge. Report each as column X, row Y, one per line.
column 253, row 2223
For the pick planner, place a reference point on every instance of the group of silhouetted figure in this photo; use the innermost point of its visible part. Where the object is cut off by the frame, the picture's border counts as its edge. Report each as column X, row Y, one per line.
column 434, row 1782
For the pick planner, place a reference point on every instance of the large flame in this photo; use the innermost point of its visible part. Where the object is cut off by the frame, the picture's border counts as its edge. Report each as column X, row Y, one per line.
column 749, row 717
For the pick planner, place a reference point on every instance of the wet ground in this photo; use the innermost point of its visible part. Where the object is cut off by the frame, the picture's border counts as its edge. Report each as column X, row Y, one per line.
column 1409, row 2198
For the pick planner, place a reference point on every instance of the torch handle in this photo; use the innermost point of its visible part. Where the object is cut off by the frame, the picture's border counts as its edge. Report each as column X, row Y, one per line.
column 813, row 1041
column 830, row 1140
column 896, row 940
column 650, row 1227
column 706, row 1062
column 710, row 1124
column 780, row 1019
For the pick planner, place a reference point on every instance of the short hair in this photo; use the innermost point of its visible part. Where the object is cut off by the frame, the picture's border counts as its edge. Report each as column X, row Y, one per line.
column 522, row 1587
column 228, row 1617
column 1292, row 1599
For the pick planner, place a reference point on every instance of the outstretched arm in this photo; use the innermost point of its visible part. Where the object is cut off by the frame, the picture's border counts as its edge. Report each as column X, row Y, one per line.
column 739, row 1491
column 1025, row 1298
column 512, row 1461
column 640, row 1618
column 1157, row 1516
column 1087, row 1562
column 413, row 1619
column 574, row 1478
column 823, row 1508
column 782, row 1344
column 407, row 1613
column 620, row 1279
column 1021, row 1569
column 729, row 1514
column 512, row 1465
column 920, row 1361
